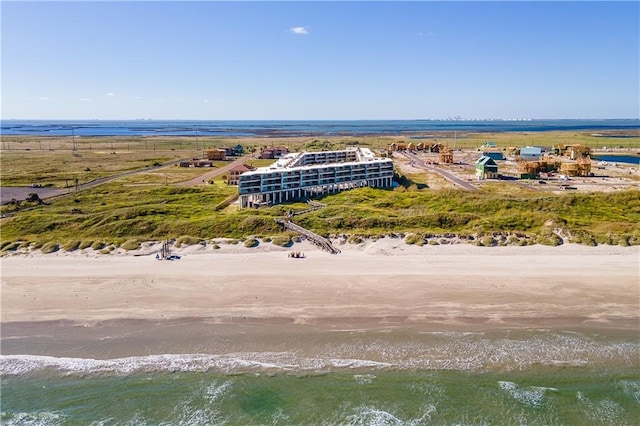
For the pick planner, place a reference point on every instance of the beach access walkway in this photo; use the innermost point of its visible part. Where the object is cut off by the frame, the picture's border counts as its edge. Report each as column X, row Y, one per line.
column 316, row 239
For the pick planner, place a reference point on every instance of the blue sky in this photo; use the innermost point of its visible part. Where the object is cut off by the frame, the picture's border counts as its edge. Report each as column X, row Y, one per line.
column 320, row 60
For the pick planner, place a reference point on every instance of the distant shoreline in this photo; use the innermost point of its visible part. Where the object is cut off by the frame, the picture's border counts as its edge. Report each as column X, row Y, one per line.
column 301, row 128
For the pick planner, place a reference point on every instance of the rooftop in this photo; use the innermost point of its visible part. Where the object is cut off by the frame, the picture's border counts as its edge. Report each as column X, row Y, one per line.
column 291, row 160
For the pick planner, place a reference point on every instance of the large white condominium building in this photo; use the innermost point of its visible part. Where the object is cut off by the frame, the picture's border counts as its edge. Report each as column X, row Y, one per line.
column 301, row 175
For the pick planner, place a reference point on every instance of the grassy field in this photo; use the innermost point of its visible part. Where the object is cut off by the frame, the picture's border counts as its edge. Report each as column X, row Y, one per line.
column 147, row 206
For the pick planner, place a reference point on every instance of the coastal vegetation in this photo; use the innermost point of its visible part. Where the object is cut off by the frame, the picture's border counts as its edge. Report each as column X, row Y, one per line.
column 148, row 206
column 117, row 214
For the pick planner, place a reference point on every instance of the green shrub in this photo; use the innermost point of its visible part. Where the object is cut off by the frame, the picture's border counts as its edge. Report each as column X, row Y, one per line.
column 98, row 245
column 417, row 239
column 85, row 244
column 71, row 245
column 187, row 240
column 266, row 240
column 355, row 239
column 131, row 245
column 50, row 247
column 549, row 239
column 623, row 240
column 215, row 246
column 12, row 246
column 489, row 241
column 251, row 242
column 584, row 237
column 434, row 243
column 36, row 245
column 282, row 241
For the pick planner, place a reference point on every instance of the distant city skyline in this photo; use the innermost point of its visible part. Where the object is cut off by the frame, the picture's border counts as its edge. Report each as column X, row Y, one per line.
column 320, row 60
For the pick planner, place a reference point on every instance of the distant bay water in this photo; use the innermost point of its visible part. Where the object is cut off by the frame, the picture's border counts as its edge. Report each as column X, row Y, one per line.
column 298, row 128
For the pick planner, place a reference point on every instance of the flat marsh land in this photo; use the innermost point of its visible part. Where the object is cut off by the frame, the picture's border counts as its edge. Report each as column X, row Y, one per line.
column 147, row 205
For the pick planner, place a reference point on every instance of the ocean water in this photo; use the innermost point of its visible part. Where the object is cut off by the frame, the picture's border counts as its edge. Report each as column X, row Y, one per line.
column 524, row 377
column 294, row 128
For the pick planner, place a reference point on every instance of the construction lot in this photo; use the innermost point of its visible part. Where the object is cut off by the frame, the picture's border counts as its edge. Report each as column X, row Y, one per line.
column 603, row 176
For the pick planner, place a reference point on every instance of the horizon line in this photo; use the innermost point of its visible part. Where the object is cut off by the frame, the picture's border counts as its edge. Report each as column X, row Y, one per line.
column 322, row 119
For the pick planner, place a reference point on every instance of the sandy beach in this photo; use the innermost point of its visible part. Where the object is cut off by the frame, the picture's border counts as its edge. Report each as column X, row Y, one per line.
column 375, row 284
column 495, row 317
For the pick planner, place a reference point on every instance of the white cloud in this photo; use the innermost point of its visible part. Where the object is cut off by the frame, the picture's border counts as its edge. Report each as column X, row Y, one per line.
column 299, row 30
column 205, row 101
column 43, row 98
column 111, row 94
column 86, row 99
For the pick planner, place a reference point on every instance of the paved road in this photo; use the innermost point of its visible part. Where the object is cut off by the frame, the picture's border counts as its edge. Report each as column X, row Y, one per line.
column 203, row 179
column 420, row 163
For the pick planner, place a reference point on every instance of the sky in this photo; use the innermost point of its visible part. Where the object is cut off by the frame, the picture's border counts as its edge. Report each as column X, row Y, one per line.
column 210, row 60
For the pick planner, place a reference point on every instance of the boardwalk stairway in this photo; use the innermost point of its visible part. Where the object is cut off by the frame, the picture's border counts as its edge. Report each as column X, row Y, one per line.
column 316, row 239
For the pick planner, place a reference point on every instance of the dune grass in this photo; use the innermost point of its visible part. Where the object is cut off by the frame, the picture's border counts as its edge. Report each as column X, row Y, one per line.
column 117, row 213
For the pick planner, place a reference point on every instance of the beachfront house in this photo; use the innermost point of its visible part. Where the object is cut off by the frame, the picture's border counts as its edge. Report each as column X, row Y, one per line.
column 486, row 168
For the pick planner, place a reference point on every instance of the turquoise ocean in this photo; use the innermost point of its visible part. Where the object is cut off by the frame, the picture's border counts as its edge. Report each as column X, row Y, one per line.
column 508, row 377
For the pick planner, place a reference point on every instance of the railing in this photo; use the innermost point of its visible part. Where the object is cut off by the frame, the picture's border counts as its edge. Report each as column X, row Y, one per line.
column 316, row 239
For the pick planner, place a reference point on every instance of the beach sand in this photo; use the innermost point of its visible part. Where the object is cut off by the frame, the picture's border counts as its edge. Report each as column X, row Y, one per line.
column 239, row 299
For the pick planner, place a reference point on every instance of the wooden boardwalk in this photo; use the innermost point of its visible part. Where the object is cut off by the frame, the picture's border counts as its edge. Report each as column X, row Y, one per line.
column 316, row 239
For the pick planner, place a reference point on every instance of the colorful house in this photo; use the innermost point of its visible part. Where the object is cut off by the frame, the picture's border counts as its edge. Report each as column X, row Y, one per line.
column 486, row 168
